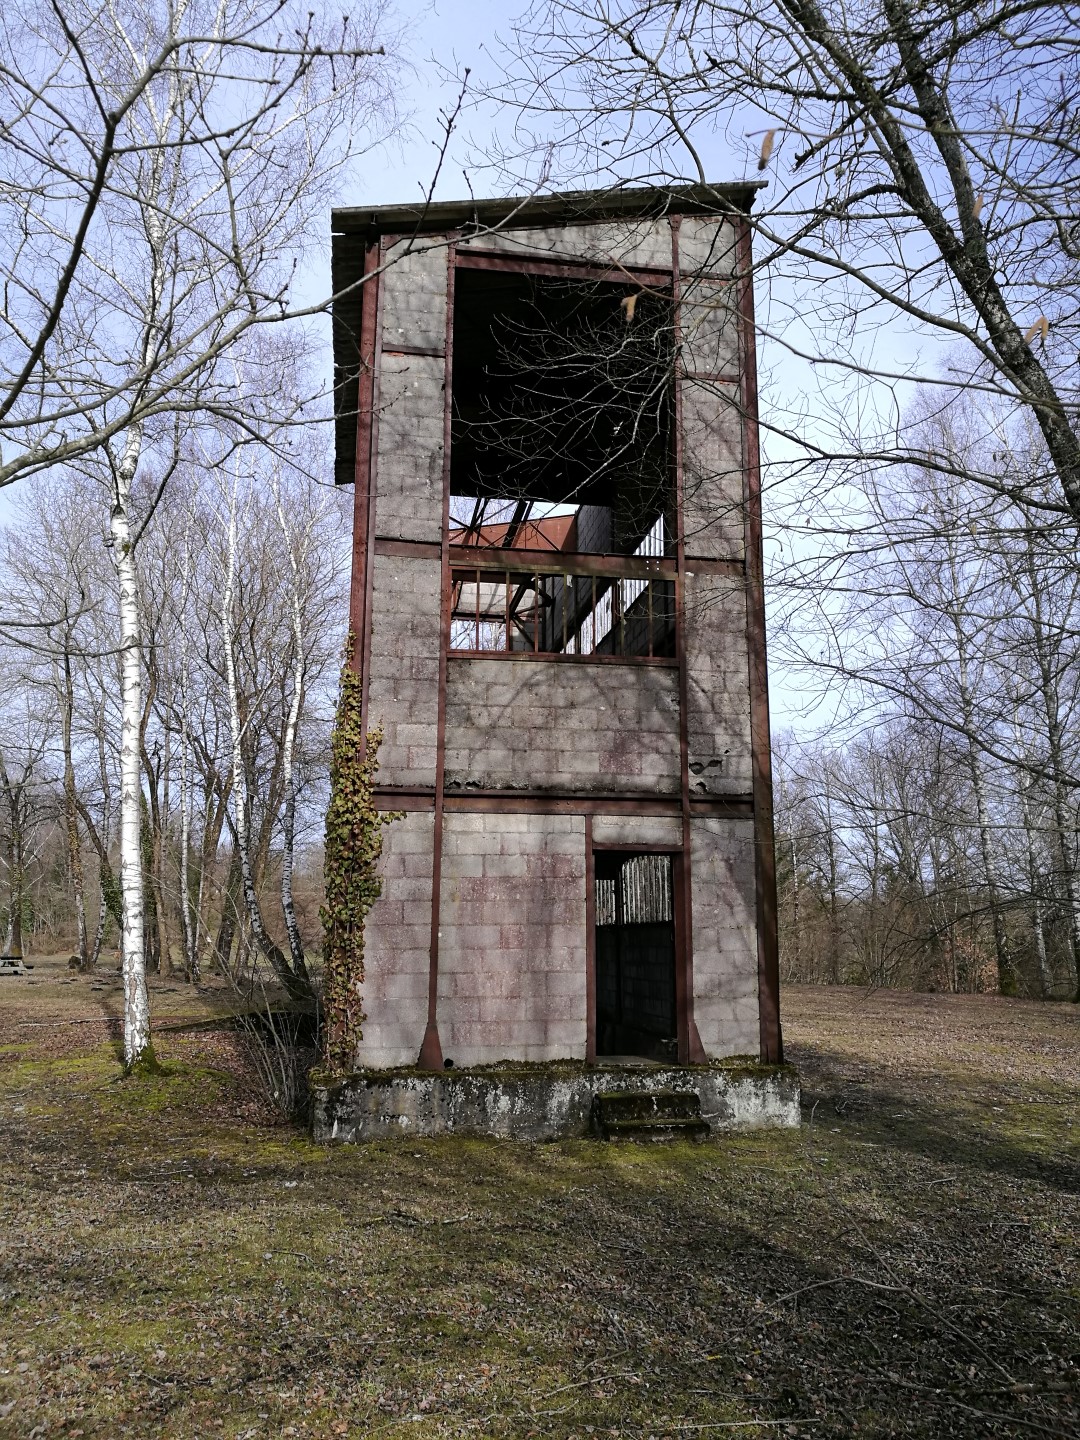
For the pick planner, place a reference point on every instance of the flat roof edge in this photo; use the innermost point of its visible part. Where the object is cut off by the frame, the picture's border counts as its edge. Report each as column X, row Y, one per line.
column 516, row 211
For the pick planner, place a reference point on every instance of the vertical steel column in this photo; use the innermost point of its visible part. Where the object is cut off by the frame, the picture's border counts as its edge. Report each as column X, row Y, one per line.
column 772, row 1044
column 691, row 1050
column 431, row 1056
column 364, row 485
column 590, row 945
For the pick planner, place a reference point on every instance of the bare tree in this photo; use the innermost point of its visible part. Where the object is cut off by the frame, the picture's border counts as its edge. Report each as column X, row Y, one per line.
column 166, row 164
column 23, row 793
column 923, row 183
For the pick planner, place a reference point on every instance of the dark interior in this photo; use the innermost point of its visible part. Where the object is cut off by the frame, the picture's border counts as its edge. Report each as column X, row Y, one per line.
column 562, row 396
column 635, row 956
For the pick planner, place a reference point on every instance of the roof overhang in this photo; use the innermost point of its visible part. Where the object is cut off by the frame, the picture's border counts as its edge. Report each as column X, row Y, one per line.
column 568, row 208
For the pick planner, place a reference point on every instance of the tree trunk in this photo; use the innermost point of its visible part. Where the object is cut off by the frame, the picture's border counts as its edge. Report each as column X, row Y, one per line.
column 188, row 922
column 230, row 910
column 99, row 932
column 292, row 929
column 136, row 998
column 16, row 946
column 297, row 985
column 1006, row 970
column 71, row 814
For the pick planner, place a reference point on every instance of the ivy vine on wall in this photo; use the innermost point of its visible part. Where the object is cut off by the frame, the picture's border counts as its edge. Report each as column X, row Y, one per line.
column 354, row 840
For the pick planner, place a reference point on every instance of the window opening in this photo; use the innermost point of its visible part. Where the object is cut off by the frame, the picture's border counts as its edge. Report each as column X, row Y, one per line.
column 521, row 612
column 635, row 955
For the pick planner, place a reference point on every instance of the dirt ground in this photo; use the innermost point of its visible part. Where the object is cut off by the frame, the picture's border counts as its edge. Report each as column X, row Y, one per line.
column 175, row 1262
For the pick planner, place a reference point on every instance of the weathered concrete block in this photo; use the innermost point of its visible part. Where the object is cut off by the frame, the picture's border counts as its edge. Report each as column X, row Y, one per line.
column 626, row 242
column 725, row 935
column 714, row 490
column 515, row 923
column 408, row 499
column 718, row 699
column 413, row 296
column 706, row 245
column 708, row 328
column 540, row 1102
column 619, row 755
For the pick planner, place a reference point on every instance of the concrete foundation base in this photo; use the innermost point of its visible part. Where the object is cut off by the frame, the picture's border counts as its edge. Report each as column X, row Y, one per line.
column 540, row 1102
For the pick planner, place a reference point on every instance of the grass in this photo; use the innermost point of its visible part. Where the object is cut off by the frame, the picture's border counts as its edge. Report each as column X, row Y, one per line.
column 176, row 1263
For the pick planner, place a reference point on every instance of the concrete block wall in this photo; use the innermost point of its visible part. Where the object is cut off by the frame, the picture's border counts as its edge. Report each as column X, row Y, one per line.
column 513, row 724
column 403, row 683
column 714, row 478
column 512, row 938
column 708, row 326
column 725, row 936
column 662, row 832
column 706, row 245
column 628, row 242
column 718, row 686
column 408, row 502
column 413, row 296
column 412, row 302
column 397, row 946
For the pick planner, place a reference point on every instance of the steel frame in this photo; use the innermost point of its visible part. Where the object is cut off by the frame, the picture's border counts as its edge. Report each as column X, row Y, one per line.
column 541, row 802
column 691, row 1050
column 645, row 275
column 684, row 806
column 772, row 1044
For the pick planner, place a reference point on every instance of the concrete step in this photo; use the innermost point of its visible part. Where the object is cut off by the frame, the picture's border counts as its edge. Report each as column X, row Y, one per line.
column 649, row 1115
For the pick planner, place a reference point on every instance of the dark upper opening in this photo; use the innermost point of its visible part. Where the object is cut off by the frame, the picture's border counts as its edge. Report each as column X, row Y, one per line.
column 562, row 406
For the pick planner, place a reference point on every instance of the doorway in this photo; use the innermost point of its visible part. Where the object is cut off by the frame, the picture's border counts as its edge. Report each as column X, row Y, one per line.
column 635, row 955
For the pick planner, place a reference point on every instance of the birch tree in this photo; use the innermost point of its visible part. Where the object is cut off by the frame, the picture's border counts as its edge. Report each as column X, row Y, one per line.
column 164, row 164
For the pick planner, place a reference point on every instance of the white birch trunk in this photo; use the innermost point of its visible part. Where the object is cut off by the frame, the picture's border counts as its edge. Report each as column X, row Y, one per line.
column 136, row 999
column 191, row 957
column 188, row 924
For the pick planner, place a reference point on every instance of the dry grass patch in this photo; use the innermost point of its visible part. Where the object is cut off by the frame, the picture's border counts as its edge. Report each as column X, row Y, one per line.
column 178, row 1263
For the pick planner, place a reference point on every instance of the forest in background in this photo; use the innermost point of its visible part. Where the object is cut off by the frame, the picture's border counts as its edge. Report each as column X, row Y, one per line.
column 923, row 576
column 929, row 838
column 929, row 842
column 242, row 593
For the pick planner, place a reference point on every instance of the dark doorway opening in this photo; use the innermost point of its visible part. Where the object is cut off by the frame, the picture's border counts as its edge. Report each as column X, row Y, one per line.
column 635, row 955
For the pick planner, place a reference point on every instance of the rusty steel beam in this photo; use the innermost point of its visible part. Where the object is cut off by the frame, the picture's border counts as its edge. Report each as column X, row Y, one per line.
column 561, row 562
column 410, row 350
column 691, row 1051
column 540, row 802
column 409, row 549
column 772, row 1045
column 431, row 1056
column 590, row 945
column 557, row 657
column 563, row 269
